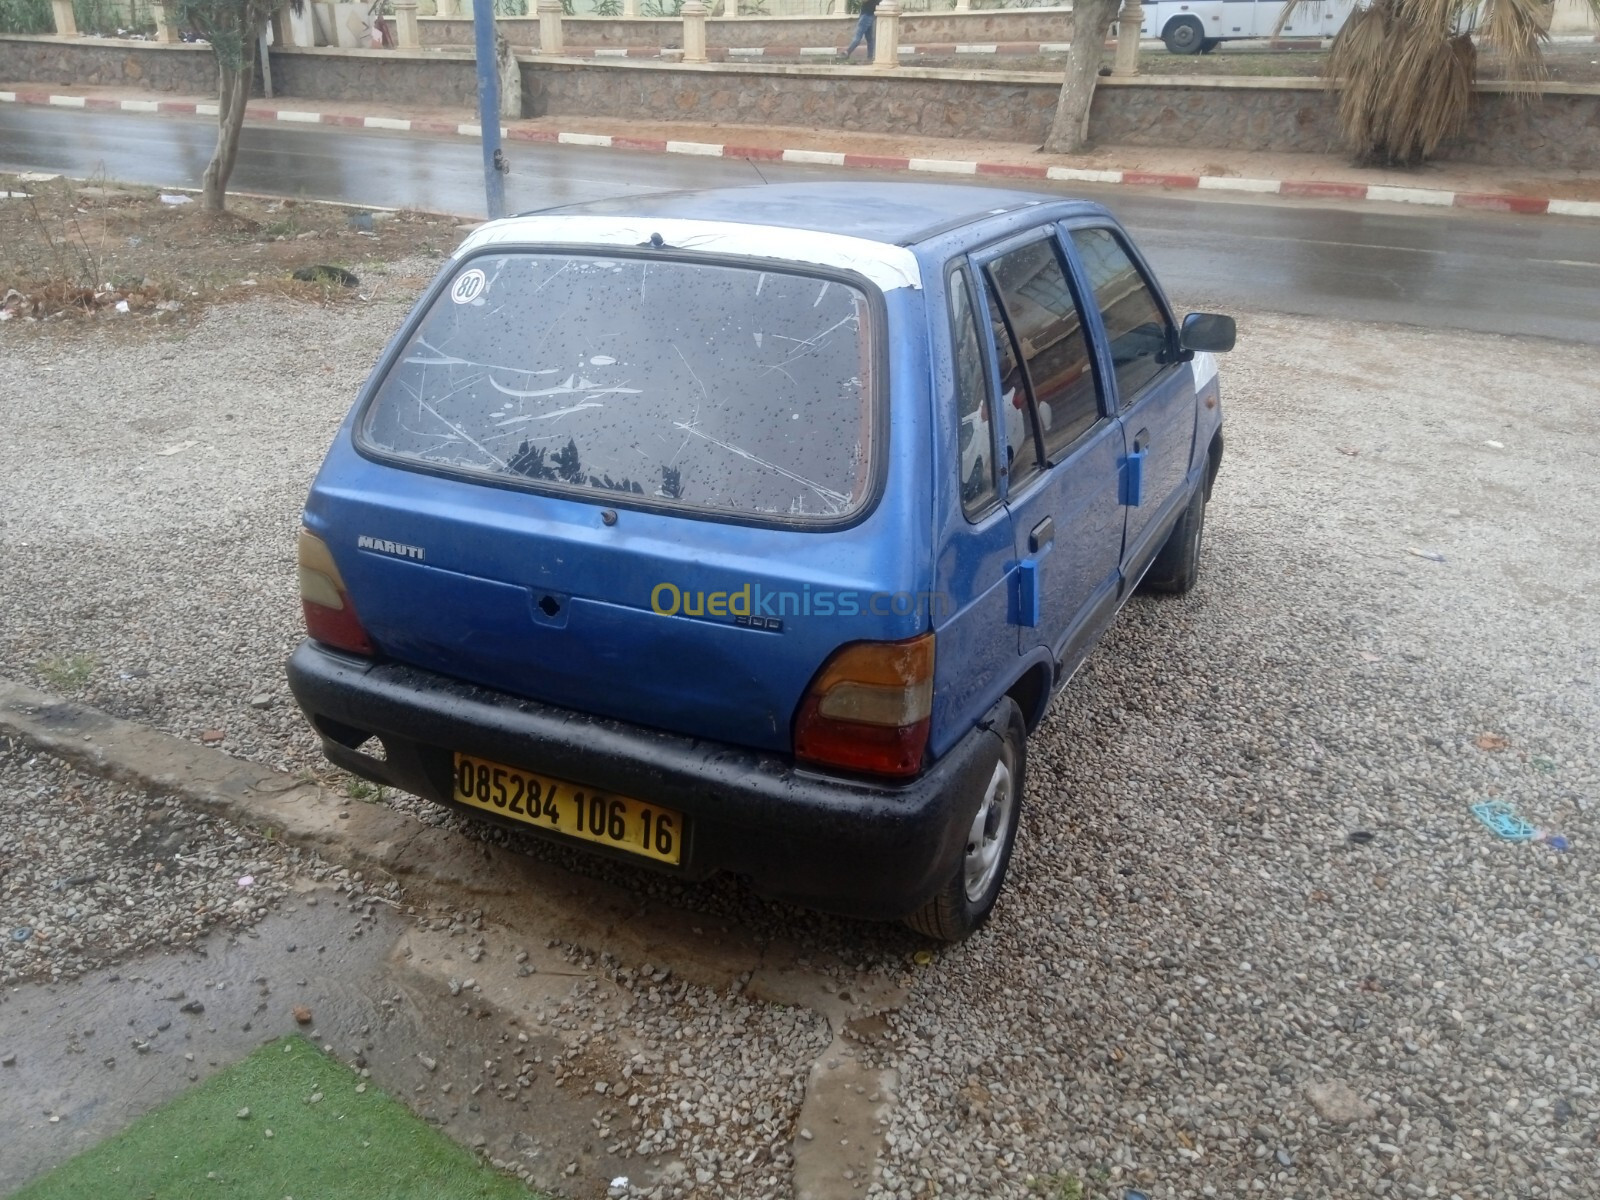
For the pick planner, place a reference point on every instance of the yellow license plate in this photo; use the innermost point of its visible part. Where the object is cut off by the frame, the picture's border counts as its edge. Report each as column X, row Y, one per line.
column 580, row 812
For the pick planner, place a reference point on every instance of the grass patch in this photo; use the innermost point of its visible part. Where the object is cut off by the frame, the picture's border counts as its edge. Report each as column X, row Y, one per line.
column 1063, row 1185
column 97, row 248
column 328, row 1140
column 67, row 672
column 360, row 789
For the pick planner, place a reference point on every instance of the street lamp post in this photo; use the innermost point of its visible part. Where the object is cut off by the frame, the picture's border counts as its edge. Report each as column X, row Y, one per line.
column 494, row 184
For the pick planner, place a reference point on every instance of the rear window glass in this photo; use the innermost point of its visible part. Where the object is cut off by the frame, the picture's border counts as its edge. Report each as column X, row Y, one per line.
column 734, row 389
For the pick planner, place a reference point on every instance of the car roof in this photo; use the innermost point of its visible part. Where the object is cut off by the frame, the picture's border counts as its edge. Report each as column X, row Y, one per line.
column 900, row 214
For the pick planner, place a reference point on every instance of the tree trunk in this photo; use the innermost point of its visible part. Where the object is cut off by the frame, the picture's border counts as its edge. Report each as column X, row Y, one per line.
column 1091, row 21
column 510, row 76
column 234, row 93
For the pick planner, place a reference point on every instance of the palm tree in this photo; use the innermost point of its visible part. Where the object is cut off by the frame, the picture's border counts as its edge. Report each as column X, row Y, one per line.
column 1407, row 68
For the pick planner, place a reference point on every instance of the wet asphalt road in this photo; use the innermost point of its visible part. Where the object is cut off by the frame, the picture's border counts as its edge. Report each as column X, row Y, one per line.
column 1489, row 273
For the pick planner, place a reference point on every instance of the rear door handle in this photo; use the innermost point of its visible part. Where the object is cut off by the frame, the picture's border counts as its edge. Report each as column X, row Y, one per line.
column 1042, row 535
column 1133, row 479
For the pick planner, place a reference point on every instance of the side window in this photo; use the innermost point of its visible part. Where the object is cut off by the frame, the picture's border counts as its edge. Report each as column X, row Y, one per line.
column 1022, row 452
column 1050, row 339
column 1135, row 323
column 972, row 401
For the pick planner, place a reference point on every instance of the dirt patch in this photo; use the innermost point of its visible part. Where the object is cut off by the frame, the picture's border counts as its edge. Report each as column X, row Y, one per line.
column 85, row 249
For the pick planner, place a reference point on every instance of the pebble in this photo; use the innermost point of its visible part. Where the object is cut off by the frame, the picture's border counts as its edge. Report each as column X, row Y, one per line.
column 162, row 876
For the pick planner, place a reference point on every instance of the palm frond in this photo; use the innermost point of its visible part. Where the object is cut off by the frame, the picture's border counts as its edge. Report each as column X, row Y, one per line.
column 1516, row 31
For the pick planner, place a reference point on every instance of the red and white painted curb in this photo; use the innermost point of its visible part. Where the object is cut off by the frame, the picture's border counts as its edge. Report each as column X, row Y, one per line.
column 1314, row 189
column 740, row 53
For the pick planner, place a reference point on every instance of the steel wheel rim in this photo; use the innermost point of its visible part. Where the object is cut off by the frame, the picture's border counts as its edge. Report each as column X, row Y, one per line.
column 986, row 837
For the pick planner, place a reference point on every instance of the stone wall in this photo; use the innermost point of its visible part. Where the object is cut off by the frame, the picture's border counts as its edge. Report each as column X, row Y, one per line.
column 920, row 103
column 427, row 79
column 1015, row 25
column 1562, row 130
column 97, row 62
column 1290, row 115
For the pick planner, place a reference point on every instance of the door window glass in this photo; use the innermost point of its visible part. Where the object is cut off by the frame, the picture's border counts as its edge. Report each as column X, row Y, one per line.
column 1051, row 342
column 1022, row 452
column 972, row 401
column 1136, row 325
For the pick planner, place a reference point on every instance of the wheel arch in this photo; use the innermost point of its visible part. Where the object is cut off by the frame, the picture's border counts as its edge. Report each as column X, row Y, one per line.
column 1213, row 462
column 1031, row 692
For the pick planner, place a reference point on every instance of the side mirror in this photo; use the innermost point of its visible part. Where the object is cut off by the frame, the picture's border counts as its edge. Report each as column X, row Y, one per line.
column 1208, row 331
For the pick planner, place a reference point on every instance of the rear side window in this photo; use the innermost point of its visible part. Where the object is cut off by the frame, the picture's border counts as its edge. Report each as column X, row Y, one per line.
column 1050, row 337
column 1136, row 325
column 972, row 402
column 736, row 390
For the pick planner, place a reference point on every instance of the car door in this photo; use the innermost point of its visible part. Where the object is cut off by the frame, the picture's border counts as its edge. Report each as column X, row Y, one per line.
column 1151, row 386
column 1061, row 446
column 976, row 551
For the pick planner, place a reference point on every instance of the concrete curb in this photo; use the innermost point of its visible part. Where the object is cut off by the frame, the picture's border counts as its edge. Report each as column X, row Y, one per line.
column 736, row 53
column 1295, row 188
column 435, row 864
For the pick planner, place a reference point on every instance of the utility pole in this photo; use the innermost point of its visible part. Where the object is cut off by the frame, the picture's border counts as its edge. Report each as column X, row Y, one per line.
column 494, row 184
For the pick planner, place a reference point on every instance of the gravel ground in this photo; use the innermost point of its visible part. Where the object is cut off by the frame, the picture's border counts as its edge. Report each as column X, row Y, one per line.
column 1255, row 942
column 92, row 872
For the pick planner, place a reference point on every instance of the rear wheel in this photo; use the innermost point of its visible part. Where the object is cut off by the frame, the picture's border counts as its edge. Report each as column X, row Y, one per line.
column 1185, row 35
column 1177, row 566
column 964, row 903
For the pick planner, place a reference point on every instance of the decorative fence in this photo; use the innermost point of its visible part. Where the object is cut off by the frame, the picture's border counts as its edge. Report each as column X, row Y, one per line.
column 103, row 18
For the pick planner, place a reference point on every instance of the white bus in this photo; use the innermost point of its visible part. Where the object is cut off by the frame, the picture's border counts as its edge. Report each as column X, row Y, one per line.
column 1196, row 26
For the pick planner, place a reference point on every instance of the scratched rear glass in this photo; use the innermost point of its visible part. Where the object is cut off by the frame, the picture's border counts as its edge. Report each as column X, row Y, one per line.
column 738, row 390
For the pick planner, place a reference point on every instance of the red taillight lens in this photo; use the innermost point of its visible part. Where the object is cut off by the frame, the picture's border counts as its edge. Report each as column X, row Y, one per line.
column 868, row 708
column 330, row 617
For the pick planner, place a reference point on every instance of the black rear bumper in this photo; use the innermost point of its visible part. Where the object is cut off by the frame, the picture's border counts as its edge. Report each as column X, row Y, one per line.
column 849, row 846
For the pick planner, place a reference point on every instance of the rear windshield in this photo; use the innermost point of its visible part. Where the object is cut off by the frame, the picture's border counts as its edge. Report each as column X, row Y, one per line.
column 735, row 389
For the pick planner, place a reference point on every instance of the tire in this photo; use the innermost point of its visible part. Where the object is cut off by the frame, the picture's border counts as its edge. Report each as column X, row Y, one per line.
column 1176, row 568
column 1210, row 44
column 961, row 907
column 1184, row 35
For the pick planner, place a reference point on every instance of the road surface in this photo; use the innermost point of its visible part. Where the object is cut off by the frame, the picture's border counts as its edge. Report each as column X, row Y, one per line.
column 1484, row 272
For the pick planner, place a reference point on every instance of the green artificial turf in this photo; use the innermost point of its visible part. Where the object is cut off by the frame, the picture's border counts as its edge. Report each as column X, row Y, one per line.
column 329, row 1142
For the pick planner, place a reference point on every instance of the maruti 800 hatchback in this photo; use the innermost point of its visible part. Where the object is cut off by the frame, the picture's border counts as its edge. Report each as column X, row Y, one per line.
column 752, row 529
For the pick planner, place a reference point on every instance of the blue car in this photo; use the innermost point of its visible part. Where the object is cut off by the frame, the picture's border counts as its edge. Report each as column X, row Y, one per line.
column 752, row 529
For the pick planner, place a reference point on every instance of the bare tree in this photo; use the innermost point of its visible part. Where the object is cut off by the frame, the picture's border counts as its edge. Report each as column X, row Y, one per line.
column 1091, row 21
column 233, row 28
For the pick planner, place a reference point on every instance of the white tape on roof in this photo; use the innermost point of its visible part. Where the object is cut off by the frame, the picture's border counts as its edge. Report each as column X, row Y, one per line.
column 889, row 267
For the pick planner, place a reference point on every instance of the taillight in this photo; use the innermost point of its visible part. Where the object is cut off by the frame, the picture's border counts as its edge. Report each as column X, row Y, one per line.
column 330, row 617
column 868, row 708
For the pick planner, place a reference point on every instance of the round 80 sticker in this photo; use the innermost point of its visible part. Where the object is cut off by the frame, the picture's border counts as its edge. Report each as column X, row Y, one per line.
column 468, row 287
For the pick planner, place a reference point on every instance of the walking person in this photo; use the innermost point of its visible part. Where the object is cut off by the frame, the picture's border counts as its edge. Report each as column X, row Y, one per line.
column 866, row 27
